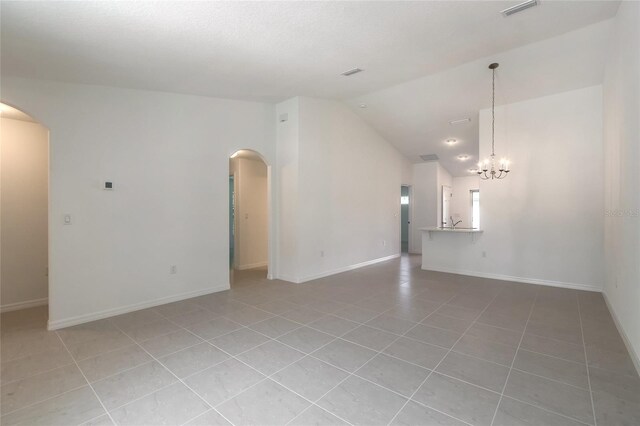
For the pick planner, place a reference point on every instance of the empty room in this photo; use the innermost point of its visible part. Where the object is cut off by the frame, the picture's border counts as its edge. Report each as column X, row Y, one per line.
column 320, row 213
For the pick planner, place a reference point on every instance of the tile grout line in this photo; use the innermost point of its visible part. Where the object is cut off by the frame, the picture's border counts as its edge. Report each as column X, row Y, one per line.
column 351, row 374
column 506, row 381
column 174, row 375
column 268, row 377
column 265, row 377
column 586, row 360
column 44, row 400
column 85, row 378
column 447, row 354
column 325, row 314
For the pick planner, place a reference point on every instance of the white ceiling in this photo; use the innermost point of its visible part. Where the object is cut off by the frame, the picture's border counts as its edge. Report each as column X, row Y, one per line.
column 415, row 115
column 268, row 50
column 425, row 62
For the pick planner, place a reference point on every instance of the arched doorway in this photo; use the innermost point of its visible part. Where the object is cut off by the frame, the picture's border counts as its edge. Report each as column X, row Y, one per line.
column 249, row 218
column 24, row 205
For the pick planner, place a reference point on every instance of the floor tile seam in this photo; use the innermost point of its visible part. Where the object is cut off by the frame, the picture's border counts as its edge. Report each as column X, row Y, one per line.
column 435, row 409
column 299, row 326
column 108, row 351
column 377, row 353
column 607, row 370
column 49, row 370
column 85, row 379
column 617, row 397
column 448, row 352
column 264, row 379
column 479, row 358
column 551, row 379
column 21, row 357
column 138, row 398
column 556, row 340
column 44, row 400
column 165, row 335
column 70, row 345
column 586, row 360
column 151, row 361
column 553, row 356
column 174, row 375
column 504, row 386
column 270, row 376
column 198, row 415
column 350, row 374
column 547, row 410
column 323, row 409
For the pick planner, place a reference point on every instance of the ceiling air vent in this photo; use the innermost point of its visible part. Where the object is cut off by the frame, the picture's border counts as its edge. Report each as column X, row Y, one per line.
column 519, row 7
column 352, row 72
column 429, row 157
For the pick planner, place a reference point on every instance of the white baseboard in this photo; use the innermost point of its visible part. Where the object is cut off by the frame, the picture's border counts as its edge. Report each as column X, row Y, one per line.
column 250, row 266
column 81, row 319
column 23, row 305
column 525, row 280
column 299, row 280
column 632, row 353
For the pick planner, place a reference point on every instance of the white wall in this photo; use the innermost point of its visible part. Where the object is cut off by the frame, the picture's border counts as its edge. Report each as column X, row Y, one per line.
column 443, row 179
column 425, row 201
column 168, row 156
column 348, row 183
column 286, row 176
column 24, row 204
column 543, row 223
column 622, row 177
column 251, row 245
column 461, row 200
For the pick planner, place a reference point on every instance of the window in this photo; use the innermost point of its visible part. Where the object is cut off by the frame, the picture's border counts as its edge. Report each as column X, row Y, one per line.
column 475, row 208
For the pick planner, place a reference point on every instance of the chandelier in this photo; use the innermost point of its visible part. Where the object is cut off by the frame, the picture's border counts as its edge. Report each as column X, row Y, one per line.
column 488, row 169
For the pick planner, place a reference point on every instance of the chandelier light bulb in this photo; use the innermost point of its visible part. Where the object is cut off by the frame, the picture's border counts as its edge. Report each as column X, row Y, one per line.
column 487, row 173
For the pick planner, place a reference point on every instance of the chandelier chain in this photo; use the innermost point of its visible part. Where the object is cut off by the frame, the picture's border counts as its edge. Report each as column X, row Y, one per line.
column 493, row 114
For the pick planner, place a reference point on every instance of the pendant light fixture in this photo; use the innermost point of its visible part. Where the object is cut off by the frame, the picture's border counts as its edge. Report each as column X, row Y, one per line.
column 489, row 169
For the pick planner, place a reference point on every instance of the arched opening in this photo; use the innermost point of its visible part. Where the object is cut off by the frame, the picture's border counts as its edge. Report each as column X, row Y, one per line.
column 24, row 208
column 249, row 218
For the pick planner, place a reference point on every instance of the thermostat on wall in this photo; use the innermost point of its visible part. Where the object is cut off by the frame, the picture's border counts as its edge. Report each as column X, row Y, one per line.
column 108, row 185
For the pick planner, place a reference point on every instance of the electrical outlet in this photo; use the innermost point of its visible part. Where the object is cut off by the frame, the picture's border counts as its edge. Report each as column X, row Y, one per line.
column 384, row 243
column 173, row 269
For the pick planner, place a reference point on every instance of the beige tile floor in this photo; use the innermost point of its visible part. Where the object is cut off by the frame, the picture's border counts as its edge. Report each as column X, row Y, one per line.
column 386, row 344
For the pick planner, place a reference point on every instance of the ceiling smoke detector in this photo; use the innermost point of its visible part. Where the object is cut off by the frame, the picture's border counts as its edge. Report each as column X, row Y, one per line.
column 351, row 72
column 519, row 7
column 429, row 157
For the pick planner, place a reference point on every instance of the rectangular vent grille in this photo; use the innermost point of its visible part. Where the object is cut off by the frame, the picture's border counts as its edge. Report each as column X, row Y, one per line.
column 519, row 7
column 429, row 157
column 352, row 72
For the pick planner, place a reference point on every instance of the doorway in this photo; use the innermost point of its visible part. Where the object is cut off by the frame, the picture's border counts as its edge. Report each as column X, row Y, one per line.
column 405, row 220
column 24, row 154
column 248, row 218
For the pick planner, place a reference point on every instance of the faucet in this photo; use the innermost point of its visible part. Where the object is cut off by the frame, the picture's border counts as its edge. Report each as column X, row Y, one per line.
column 453, row 224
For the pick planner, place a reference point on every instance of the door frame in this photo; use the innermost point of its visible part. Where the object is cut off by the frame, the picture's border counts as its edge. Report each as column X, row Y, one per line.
column 410, row 214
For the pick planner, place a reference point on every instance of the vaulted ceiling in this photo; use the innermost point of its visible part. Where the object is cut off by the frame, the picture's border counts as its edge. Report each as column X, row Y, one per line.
column 270, row 51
